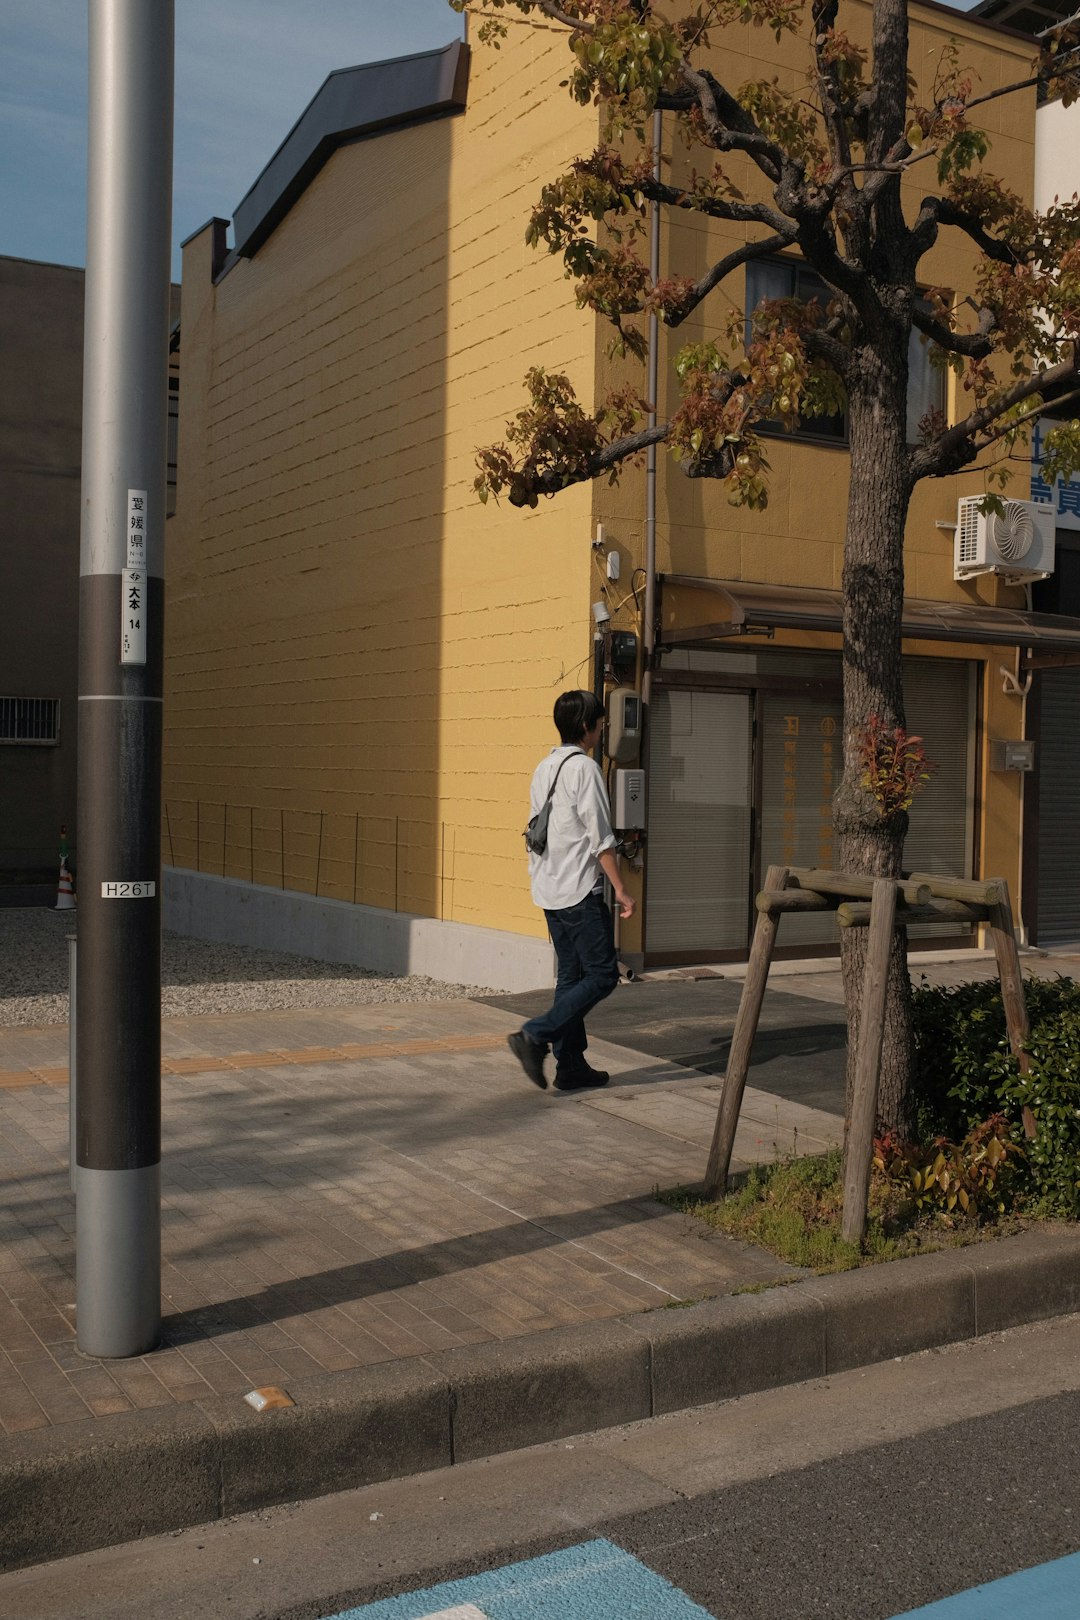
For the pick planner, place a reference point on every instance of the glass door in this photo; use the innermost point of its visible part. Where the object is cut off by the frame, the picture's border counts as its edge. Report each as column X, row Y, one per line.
column 802, row 757
column 700, row 823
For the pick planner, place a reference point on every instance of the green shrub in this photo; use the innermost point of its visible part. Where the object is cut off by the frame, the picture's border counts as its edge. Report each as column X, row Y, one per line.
column 1049, row 1097
column 966, row 1073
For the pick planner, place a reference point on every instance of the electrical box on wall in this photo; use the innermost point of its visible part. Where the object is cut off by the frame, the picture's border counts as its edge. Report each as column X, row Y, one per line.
column 630, row 800
column 1011, row 756
column 622, row 735
column 622, row 651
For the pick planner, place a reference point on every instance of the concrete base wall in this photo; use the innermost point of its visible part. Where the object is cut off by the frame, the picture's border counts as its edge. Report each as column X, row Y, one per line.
column 208, row 907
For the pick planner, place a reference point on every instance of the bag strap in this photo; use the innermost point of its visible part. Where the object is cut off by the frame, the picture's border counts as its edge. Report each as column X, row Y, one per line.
column 555, row 778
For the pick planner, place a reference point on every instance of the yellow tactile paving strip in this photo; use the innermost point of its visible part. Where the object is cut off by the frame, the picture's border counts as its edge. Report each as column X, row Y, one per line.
column 272, row 1058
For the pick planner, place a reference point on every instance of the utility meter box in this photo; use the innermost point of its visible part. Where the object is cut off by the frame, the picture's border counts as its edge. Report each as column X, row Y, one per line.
column 622, row 734
column 630, row 800
column 1012, row 756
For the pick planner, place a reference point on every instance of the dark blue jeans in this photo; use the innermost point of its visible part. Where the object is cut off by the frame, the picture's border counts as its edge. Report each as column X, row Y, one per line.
column 584, row 941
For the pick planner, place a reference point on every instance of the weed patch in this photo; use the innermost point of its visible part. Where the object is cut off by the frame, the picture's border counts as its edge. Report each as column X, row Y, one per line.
column 793, row 1209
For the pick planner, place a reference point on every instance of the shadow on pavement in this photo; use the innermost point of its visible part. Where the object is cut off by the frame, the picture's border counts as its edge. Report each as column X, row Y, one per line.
column 799, row 1050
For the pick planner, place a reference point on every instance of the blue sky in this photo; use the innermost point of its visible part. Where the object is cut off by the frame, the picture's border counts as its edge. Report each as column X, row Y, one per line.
column 245, row 70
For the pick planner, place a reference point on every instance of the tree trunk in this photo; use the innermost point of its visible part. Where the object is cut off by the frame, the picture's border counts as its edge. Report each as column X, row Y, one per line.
column 871, row 842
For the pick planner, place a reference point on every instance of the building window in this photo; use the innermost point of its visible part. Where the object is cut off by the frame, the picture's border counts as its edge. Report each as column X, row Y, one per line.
column 926, row 382
column 30, row 720
column 788, row 278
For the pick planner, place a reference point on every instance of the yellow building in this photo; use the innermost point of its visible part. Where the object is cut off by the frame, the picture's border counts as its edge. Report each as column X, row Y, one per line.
column 362, row 660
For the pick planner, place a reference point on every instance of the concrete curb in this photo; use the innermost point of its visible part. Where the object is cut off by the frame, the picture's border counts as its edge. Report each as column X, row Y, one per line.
column 72, row 1488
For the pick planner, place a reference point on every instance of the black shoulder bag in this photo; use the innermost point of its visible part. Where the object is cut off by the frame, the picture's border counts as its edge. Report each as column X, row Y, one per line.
column 536, row 833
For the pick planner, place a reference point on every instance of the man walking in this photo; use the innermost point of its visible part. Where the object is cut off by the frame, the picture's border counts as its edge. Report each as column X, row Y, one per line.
column 568, row 884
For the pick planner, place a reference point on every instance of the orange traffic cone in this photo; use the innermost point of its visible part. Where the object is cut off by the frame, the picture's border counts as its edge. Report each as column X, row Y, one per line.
column 65, row 894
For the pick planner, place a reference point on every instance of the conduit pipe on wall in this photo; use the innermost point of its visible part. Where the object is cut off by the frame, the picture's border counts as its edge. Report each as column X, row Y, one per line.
column 647, row 641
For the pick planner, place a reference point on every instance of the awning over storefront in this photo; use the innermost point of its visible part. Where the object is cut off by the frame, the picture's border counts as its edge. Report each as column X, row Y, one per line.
column 746, row 608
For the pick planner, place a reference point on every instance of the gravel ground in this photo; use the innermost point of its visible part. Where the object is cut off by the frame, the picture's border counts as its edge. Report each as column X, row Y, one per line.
column 197, row 975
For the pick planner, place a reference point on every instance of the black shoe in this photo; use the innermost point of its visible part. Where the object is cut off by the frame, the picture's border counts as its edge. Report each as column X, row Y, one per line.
column 579, row 1077
column 531, row 1055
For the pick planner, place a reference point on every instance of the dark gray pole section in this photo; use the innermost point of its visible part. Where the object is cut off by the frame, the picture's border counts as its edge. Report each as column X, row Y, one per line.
column 118, row 1107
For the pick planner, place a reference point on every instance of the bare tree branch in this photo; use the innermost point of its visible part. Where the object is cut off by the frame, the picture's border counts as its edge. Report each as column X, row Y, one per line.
column 576, row 24
column 723, row 267
column 1068, row 62
column 718, row 207
column 832, row 110
column 988, row 439
column 959, row 444
column 729, row 126
column 976, row 345
column 937, row 211
column 824, row 345
column 551, row 483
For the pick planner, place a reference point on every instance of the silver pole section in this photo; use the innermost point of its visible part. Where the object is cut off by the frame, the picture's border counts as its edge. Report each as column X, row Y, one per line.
column 118, row 1036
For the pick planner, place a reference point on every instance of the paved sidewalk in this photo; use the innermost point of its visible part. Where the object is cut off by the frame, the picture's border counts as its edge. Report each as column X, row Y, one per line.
column 372, row 1207
column 347, row 1187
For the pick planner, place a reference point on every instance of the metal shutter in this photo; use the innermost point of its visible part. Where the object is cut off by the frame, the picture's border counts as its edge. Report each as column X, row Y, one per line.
column 1059, row 781
column 699, row 821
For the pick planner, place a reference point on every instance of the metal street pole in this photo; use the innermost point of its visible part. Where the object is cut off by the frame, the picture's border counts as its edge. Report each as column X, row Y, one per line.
column 125, row 390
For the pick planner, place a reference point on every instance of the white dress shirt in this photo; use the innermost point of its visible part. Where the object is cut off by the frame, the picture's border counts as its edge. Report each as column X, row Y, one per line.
column 579, row 829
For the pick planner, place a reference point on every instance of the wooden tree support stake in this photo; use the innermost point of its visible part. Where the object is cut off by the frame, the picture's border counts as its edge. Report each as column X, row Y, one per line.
column 794, row 900
column 1000, row 921
column 881, row 904
column 976, row 891
column 746, row 1023
column 860, row 1136
column 847, row 886
column 856, row 913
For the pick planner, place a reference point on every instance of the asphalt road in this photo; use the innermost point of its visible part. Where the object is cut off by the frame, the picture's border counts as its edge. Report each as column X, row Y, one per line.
column 798, row 1052
column 857, row 1497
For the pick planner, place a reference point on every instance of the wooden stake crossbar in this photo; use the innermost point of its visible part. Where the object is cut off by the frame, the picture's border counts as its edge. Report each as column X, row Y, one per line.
column 880, row 905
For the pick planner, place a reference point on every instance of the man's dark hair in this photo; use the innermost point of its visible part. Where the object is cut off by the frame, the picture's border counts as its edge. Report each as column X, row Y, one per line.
column 575, row 714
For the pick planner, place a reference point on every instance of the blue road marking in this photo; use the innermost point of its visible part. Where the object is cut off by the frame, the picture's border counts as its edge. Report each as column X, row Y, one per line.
column 594, row 1581
column 1048, row 1592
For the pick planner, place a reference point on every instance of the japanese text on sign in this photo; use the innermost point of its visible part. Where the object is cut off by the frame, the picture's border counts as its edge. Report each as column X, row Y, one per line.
column 1063, row 496
column 133, row 583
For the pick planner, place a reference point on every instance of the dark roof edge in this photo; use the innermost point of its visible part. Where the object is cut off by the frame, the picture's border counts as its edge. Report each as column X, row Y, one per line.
column 352, row 103
column 42, row 264
column 975, row 15
column 205, row 226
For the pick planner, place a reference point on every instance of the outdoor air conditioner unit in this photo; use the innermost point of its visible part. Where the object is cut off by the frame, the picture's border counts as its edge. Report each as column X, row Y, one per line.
column 1018, row 544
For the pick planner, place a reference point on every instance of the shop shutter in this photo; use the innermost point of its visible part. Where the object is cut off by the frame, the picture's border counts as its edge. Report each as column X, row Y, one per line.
column 699, row 822
column 1058, row 911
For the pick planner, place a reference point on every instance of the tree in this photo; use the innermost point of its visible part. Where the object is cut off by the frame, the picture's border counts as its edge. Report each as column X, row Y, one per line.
column 828, row 164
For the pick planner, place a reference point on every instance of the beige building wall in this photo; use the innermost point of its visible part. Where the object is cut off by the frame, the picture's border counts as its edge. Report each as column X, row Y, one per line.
column 362, row 660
